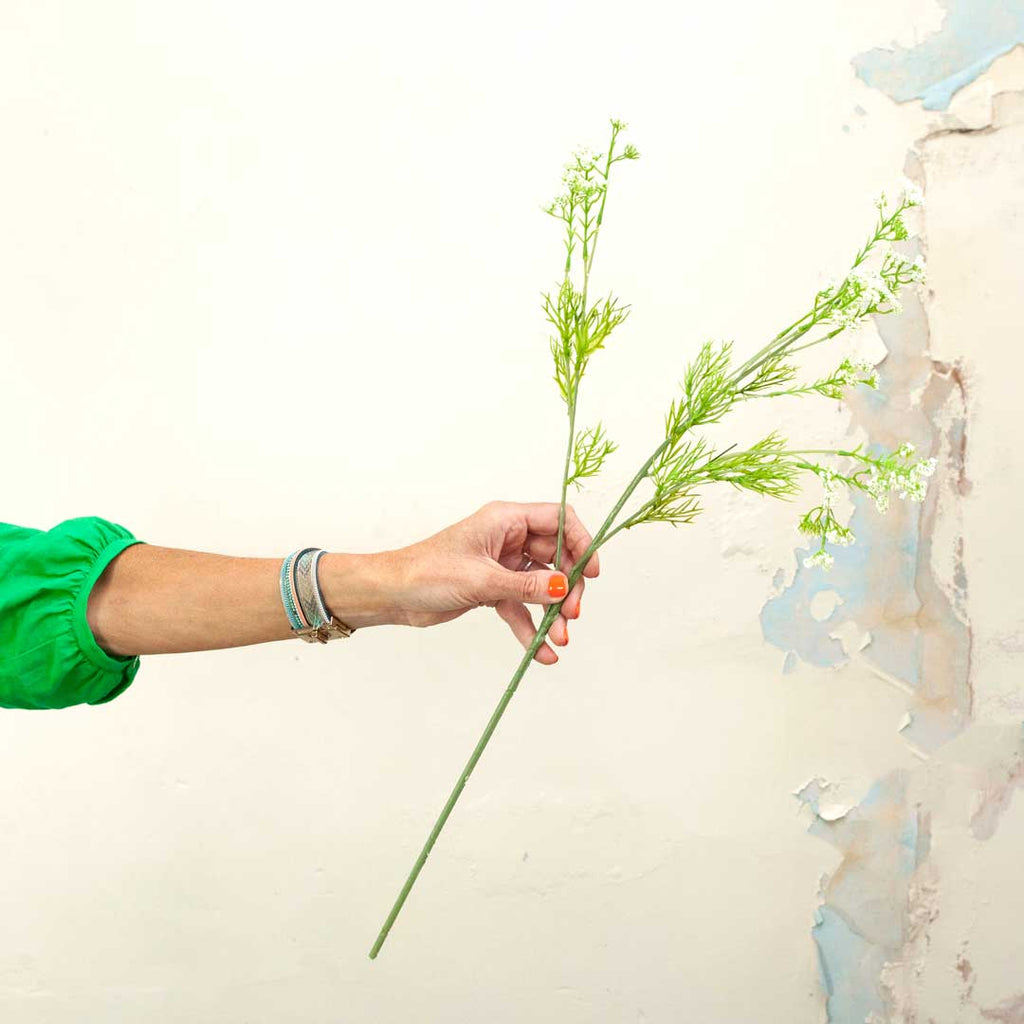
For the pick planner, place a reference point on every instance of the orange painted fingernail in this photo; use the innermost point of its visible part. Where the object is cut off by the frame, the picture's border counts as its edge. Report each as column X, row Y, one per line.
column 579, row 604
column 556, row 586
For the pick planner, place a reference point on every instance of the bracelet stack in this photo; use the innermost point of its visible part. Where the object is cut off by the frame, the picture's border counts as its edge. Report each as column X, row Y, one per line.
column 304, row 601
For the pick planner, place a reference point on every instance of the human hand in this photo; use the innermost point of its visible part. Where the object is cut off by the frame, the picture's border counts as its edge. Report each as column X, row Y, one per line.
column 481, row 560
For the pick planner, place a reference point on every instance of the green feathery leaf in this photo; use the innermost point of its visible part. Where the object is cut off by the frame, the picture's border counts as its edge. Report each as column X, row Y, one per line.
column 707, row 390
column 592, row 447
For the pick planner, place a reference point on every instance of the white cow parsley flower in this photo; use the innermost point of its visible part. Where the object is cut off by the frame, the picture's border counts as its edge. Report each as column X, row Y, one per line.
column 904, row 269
column 877, row 476
column 878, row 488
column 856, row 371
column 908, row 479
column 822, row 558
column 912, row 194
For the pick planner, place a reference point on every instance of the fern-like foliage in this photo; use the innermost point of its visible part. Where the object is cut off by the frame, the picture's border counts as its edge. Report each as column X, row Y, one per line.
column 591, row 448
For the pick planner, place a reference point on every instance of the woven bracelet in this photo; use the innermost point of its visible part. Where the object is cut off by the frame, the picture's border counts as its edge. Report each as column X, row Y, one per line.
column 310, row 605
column 289, row 595
column 303, row 599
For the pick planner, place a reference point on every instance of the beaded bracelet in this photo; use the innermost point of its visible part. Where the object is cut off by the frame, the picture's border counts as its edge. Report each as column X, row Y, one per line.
column 303, row 599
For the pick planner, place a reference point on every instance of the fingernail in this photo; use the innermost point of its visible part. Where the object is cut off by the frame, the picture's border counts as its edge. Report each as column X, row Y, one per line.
column 579, row 604
column 556, row 585
column 566, row 634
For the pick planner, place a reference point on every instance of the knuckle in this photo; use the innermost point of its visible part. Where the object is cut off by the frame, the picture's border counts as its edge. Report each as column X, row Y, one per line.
column 494, row 510
column 528, row 585
column 573, row 534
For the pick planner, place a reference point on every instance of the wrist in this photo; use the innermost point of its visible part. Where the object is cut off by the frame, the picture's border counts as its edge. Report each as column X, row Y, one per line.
column 359, row 589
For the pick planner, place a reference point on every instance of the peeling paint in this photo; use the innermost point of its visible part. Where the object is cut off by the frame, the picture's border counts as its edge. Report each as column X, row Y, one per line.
column 860, row 925
column 887, row 582
column 995, row 793
column 905, row 585
column 812, row 794
column 973, row 34
column 1010, row 1011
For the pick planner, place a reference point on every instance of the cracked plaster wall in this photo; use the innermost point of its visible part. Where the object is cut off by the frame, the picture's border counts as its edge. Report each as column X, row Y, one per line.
column 749, row 792
column 917, row 920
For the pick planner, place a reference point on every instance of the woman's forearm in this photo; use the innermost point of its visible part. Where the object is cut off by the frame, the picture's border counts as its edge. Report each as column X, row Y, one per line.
column 157, row 600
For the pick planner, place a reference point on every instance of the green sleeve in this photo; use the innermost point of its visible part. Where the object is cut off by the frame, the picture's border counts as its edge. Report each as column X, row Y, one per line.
column 48, row 655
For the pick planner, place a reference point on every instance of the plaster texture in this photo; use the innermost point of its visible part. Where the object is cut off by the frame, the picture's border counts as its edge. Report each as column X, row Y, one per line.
column 748, row 791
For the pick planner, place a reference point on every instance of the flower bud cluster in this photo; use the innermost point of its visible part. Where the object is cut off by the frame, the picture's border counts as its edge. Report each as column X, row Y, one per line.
column 912, row 194
column 848, row 373
column 898, row 270
column 898, row 471
column 857, row 371
column 901, row 269
column 907, row 479
column 862, row 293
column 821, row 521
column 866, row 291
column 820, row 557
column 583, row 176
column 582, row 187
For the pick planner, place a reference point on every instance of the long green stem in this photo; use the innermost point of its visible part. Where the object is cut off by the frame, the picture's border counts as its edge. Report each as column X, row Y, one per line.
column 817, row 341
column 604, row 197
column 565, row 484
column 549, row 617
column 771, row 348
column 588, row 261
column 825, row 451
column 542, row 631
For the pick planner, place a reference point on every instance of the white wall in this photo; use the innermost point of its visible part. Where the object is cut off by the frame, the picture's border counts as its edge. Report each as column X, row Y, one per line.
column 211, row 212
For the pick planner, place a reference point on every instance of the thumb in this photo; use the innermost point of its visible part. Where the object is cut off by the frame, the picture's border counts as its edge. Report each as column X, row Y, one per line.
column 538, row 586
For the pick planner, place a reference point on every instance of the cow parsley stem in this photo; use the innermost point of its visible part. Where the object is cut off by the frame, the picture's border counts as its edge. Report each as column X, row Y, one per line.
column 682, row 464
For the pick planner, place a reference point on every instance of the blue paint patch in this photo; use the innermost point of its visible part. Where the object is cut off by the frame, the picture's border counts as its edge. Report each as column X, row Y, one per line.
column 908, row 845
column 877, row 793
column 862, row 925
column 973, row 34
column 787, row 623
column 849, row 967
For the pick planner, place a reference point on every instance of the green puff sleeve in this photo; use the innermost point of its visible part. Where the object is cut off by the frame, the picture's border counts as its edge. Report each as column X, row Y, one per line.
column 48, row 655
